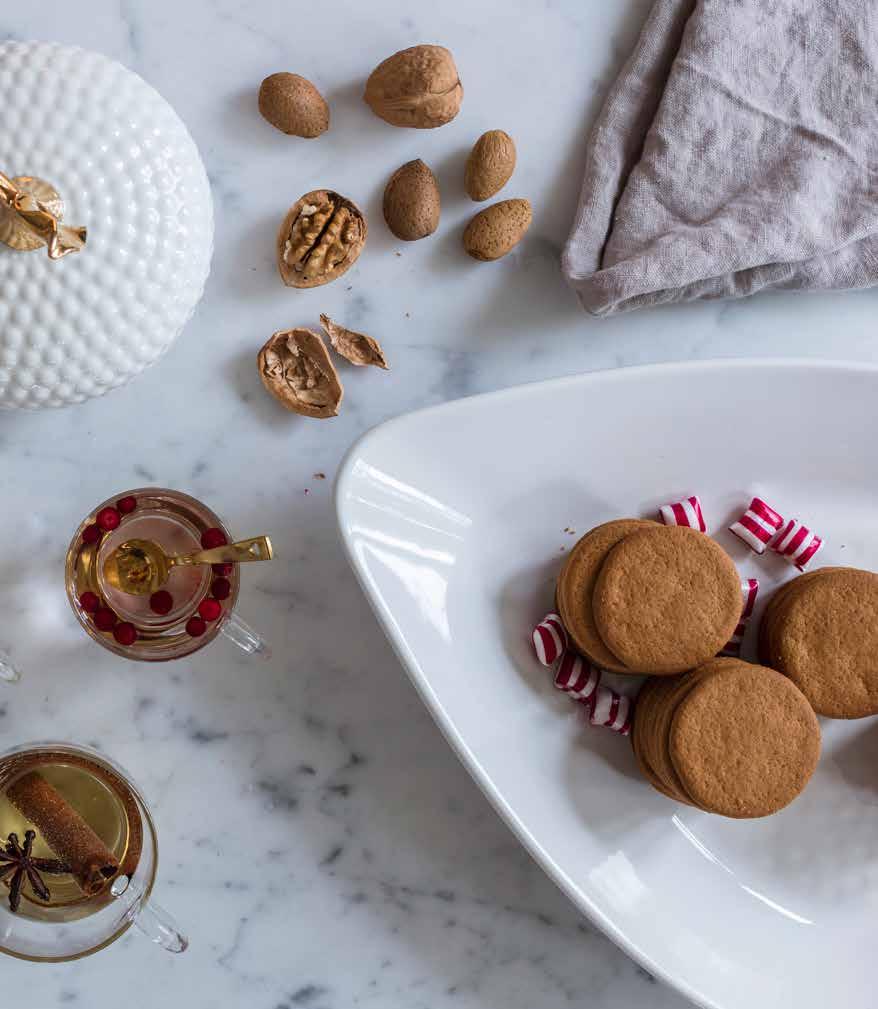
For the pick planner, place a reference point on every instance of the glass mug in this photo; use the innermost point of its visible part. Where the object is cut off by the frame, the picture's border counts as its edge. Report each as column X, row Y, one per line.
column 198, row 601
column 76, row 820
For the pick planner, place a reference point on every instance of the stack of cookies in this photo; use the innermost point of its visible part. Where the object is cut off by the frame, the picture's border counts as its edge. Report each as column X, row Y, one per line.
column 639, row 597
column 821, row 630
column 729, row 738
column 719, row 734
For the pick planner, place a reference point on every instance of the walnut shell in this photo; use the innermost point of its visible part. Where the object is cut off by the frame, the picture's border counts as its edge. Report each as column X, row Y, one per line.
column 417, row 87
column 497, row 229
column 490, row 165
column 357, row 348
column 296, row 368
column 320, row 238
column 293, row 105
column 411, row 202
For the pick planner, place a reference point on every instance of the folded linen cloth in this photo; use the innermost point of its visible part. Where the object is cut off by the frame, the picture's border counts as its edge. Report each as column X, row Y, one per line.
column 737, row 152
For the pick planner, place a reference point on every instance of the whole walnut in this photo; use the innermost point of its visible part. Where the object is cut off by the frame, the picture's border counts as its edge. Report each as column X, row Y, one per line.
column 417, row 87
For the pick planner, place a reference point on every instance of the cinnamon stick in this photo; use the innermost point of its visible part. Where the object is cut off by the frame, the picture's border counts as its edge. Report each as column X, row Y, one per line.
column 91, row 863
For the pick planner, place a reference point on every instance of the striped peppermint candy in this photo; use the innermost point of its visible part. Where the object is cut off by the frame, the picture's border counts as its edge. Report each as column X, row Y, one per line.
column 611, row 710
column 749, row 590
column 684, row 513
column 576, row 676
column 797, row 543
column 758, row 525
column 549, row 638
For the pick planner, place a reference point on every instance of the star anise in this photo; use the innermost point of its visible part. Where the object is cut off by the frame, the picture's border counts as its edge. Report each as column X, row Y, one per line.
column 16, row 861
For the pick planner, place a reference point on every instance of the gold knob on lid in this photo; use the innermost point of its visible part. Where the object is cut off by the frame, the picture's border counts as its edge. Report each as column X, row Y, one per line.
column 30, row 218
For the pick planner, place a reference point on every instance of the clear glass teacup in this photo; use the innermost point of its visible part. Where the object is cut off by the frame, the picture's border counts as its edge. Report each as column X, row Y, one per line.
column 195, row 605
column 78, row 856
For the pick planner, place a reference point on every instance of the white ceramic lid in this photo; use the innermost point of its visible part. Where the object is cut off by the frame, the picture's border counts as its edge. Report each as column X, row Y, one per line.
column 129, row 171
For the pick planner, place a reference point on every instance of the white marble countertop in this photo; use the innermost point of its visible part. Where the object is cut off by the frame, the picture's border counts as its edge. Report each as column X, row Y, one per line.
column 320, row 843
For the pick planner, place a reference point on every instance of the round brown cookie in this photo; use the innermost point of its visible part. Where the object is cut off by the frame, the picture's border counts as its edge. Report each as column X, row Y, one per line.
column 663, row 707
column 744, row 741
column 775, row 604
column 824, row 636
column 659, row 753
column 667, row 598
column 642, row 720
column 576, row 586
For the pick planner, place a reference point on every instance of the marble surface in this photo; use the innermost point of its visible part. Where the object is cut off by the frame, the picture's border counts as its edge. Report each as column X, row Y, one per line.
column 319, row 841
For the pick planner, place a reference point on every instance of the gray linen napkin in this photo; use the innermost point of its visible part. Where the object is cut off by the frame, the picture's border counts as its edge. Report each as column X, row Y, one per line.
column 737, row 152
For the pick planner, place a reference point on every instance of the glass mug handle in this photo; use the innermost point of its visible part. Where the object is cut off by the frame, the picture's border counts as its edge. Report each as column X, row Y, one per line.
column 243, row 635
column 8, row 672
column 153, row 921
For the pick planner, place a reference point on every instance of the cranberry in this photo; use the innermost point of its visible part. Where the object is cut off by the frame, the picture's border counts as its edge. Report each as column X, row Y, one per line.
column 125, row 633
column 211, row 538
column 221, row 588
column 210, row 609
column 91, row 534
column 105, row 619
column 127, row 504
column 89, row 602
column 161, row 602
column 108, row 519
column 223, row 570
column 195, row 627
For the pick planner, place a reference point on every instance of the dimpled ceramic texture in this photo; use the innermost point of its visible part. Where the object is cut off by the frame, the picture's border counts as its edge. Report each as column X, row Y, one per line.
column 129, row 171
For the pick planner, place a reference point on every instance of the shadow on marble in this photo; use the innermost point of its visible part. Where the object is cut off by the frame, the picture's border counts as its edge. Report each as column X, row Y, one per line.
column 257, row 247
column 449, row 171
column 243, row 375
column 346, row 105
column 244, row 122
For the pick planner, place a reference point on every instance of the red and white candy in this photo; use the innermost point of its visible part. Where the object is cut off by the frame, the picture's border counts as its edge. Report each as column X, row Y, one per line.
column 684, row 513
column 611, row 710
column 750, row 590
column 759, row 524
column 576, row 676
column 550, row 639
column 797, row 544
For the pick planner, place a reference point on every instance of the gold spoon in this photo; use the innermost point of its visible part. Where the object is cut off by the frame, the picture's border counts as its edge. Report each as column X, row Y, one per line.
column 139, row 567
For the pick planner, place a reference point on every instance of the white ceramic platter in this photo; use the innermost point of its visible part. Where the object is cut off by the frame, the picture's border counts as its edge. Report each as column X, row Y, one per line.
column 454, row 521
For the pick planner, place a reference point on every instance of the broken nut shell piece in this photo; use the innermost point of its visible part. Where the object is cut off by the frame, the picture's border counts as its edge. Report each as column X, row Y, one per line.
column 296, row 369
column 357, row 348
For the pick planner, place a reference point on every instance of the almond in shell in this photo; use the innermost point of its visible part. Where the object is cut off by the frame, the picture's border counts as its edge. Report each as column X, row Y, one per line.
column 497, row 229
column 490, row 165
column 321, row 237
column 296, row 369
column 293, row 105
column 411, row 202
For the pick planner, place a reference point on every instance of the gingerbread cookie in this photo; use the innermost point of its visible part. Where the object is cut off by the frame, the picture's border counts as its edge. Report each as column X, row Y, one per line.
column 576, row 586
column 666, row 599
column 821, row 630
column 773, row 608
column 728, row 737
column 744, row 741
